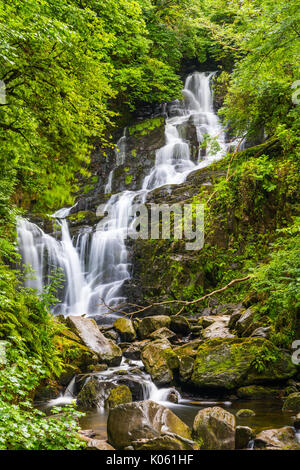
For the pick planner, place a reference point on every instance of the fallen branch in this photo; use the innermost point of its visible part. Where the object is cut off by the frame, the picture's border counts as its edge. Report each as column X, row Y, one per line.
column 184, row 303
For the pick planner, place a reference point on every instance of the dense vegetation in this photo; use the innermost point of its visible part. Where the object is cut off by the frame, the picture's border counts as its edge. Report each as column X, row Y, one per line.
column 72, row 69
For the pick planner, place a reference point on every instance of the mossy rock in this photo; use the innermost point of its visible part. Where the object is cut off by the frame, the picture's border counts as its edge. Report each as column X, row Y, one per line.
column 166, row 443
column 257, row 392
column 148, row 325
column 118, row 396
column 231, row 363
column 292, row 403
column 124, row 326
column 245, row 413
column 157, row 357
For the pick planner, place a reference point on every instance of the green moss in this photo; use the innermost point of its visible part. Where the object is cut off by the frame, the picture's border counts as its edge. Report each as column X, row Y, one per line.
column 118, row 396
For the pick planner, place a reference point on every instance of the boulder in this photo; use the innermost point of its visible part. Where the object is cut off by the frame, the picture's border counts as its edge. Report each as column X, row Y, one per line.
column 92, row 394
column 148, row 325
column 163, row 333
column 165, row 442
column 186, row 355
column 218, row 329
column 214, row 429
column 292, row 403
column 245, row 325
column 133, row 350
column 124, row 327
column 257, row 392
column 119, row 395
column 243, row 434
column 132, row 422
column 230, row 363
column 245, row 413
column 276, row 439
column 180, row 325
column 97, row 444
column 105, row 349
column 155, row 358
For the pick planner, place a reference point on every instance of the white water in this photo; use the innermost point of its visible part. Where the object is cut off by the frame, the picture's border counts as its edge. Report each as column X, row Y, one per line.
column 95, row 263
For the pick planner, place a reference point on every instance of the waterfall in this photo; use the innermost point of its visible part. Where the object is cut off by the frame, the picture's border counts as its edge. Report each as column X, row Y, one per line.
column 95, row 263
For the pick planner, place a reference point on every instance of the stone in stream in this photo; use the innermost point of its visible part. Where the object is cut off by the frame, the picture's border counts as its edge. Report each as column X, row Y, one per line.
column 165, row 442
column 88, row 331
column 228, row 363
column 133, row 350
column 144, row 420
column 245, row 413
column 119, row 395
column 243, row 435
column 283, row 438
column 214, row 429
column 148, row 325
column 159, row 360
column 124, row 327
column 93, row 393
column 258, row 392
column 292, row 403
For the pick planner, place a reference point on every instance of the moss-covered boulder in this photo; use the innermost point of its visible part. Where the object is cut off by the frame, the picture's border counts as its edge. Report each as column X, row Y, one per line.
column 91, row 394
column 276, row 439
column 133, row 350
column 143, row 420
column 214, row 429
column 231, row 363
column 245, row 413
column 186, row 355
column 148, row 325
column 75, row 355
column 292, row 403
column 124, row 327
column 118, row 396
column 258, row 392
column 246, row 324
column 157, row 357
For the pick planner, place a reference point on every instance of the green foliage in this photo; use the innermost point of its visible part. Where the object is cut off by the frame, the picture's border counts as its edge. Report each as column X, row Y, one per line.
column 21, row 425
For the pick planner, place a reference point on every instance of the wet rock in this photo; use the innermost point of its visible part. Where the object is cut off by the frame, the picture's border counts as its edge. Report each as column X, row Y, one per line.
column 243, row 435
column 173, row 396
column 92, row 394
column 180, row 325
column 97, row 444
column 163, row 333
column 186, row 365
column 245, row 413
column 206, row 321
column 257, row 392
column 134, row 384
column 148, row 325
column 143, row 420
column 214, row 429
column 124, row 327
column 98, row 367
column 292, row 402
column 165, row 442
column 156, row 363
column 228, row 363
column 276, row 439
column 119, row 395
column 105, row 349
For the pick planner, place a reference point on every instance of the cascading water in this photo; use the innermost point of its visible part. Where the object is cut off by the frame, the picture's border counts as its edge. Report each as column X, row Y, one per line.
column 95, row 263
